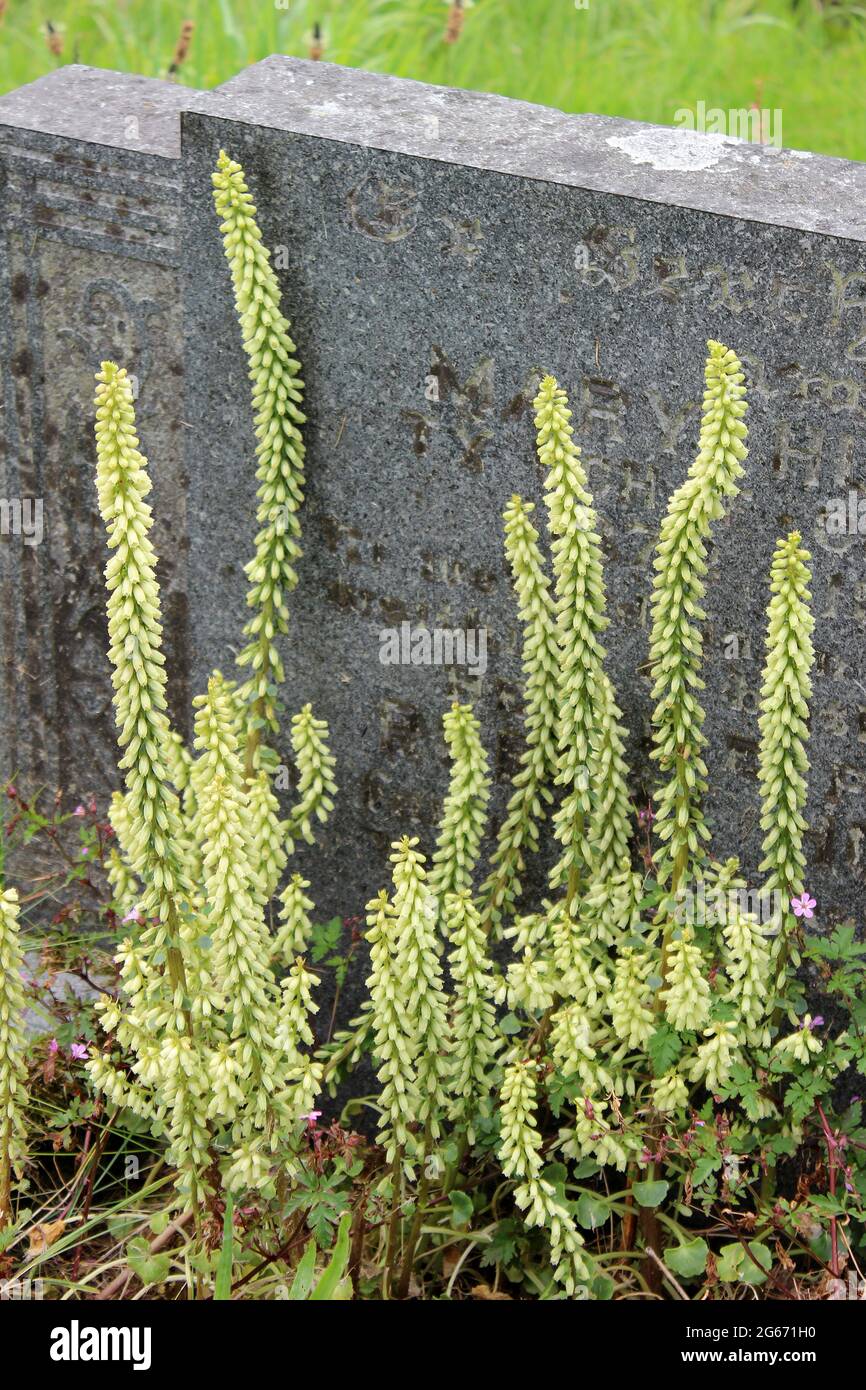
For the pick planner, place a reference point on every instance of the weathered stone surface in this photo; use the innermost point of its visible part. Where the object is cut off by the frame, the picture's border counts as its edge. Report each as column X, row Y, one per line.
column 438, row 251
column 441, row 250
column 88, row 270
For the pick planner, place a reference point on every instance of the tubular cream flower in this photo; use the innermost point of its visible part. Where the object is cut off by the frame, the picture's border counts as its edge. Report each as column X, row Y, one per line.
column 785, row 696
column 475, row 1038
column 580, row 612
column 802, row 1044
column 464, row 815
column 277, row 392
column 687, row 996
column 520, row 1156
column 295, row 929
column 518, row 834
column 676, row 641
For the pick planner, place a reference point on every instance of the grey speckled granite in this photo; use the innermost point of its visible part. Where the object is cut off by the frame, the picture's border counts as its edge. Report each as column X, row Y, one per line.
column 710, row 173
column 118, row 109
column 438, row 251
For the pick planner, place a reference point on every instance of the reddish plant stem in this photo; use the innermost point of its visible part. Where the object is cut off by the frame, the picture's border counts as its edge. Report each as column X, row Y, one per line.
column 833, row 1165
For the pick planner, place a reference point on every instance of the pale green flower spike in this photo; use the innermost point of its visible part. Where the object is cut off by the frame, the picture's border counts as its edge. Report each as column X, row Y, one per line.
column 630, row 998
column 593, row 1136
column 676, row 641
column 316, row 785
column 420, row 966
column 610, row 822
column 125, row 887
column 520, row 1156
column 393, row 1048
column 578, row 974
column 178, row 761
column 241, row 944
column 785, row 696
column 687, row 995
column 750, row 967
column 716, row 1056
column 13, row 1042
column 610, row 907
column 580, row 610
column 135, row 652
column 277, row 391
column 464, row 814
column 474, row 1034
column 267, row 833
column 518, row 834
column 530, row 983
column 800, row 1045
column 296, row 1009
column 571, row 1044
column 295, row 927
column 670, row 1093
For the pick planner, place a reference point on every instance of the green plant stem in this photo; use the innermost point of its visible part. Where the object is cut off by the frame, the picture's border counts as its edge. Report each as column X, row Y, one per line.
column 453, row 1169
column 5, row 1187
column 394, row 1221
column 415, row 1229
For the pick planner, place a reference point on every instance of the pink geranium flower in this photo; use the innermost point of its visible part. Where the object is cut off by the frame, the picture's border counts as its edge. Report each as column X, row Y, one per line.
column 78, row 1052
column 804, row 906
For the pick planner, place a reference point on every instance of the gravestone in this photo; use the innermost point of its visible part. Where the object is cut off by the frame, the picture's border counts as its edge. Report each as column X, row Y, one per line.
column 88, row 269
column 438, row 252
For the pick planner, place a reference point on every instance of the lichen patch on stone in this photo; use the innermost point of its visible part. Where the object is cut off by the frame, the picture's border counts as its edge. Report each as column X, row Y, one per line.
column 686, row 151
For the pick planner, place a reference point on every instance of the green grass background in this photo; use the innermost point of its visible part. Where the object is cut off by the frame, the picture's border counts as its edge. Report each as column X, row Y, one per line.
column 638, row 58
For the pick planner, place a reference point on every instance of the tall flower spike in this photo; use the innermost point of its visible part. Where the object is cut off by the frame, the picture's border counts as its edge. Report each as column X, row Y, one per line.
column 580, row 609
column 464, row 815
column 630, row 998
column 295, row 929
column 749, row 967
column 520, row 1155
column 241, row 945
column 393, row 1049
column 518, row 834
column 13, row 1041
column 277, row 391
column 785, row 696
column 676, row 641
column 135, row 652
column 125, row 887
column 687, row 996
column 475, row 1037
column 267, row 834
column 420, row 966
column 296, row 1011
column 610, row 821
column 316, row 784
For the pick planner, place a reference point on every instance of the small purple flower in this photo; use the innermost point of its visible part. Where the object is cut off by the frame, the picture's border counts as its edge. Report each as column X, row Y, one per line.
column 79, row 810
column 645, row 816
column 53, row 1046
column 817, row 1022
column 78, row 1052
column 803, row 906
column 132, row 915
column 312, row 1118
